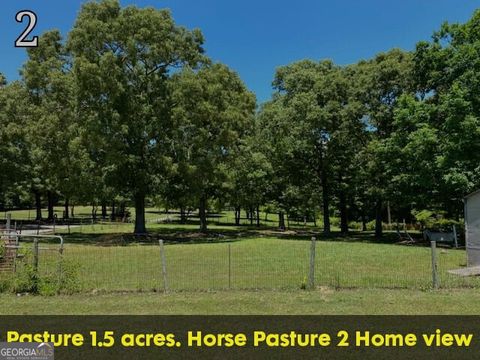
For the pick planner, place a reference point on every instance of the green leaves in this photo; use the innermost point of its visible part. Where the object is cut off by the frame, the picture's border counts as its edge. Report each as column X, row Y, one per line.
column 213, row 112
column 122, row 60
column 131, row 106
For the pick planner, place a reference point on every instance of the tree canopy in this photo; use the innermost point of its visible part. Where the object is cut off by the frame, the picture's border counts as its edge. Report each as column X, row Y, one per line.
column 128, row 109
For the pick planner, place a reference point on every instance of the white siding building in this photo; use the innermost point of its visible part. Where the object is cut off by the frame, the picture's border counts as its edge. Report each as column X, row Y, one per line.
column 472, row 228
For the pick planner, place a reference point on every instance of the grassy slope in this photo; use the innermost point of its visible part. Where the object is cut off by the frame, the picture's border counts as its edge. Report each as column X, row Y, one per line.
column 401, row 302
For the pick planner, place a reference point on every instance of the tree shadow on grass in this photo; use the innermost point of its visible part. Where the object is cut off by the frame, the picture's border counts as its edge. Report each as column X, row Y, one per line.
column 169, row 236
column 389, row 237
column 179, row 234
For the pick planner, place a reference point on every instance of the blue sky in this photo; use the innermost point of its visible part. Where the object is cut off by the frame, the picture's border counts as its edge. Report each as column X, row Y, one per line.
column 255, row 37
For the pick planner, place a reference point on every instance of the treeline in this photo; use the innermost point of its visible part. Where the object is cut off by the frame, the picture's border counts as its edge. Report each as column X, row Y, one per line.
column 129, row 109
column 399, row 132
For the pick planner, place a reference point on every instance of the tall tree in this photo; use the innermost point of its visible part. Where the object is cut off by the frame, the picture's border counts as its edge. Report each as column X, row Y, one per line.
column 213, row 111
column 384, row 80
column 324, row 127
column 14, row 155
column 250, row 178
column 123, row 58
column 448, row 80
column 272, row 138
column 52, row 124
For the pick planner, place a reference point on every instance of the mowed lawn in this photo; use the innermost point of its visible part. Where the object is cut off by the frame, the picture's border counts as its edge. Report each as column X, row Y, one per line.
column 152, row 215
column 263, row 302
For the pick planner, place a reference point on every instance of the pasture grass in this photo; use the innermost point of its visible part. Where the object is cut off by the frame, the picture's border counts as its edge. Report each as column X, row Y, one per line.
column 155, row 215
column 111, row 262
column 322, row 301
column 245, row 270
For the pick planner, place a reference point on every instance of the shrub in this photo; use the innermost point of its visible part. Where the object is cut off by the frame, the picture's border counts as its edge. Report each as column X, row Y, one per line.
column 26, row 280
column 64, row 281
column 435, row 220
column 355, row 225
column 334, row 221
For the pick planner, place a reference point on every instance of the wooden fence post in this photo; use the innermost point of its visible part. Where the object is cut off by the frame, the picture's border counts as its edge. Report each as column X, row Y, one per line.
column 455, row 236
column 433, row 245
column 229, row 266
column 35, row 255
column 311, row 274
column 60, row 266
column 9, row 223
column 164, row 266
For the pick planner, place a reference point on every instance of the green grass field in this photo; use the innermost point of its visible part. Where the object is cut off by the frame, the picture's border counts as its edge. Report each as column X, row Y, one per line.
column 264, row 302
column 155, row 215
column 236, row 269
column 261, row 263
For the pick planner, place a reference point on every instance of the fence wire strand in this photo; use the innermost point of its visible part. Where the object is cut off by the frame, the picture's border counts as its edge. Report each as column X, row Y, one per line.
column 246, row 264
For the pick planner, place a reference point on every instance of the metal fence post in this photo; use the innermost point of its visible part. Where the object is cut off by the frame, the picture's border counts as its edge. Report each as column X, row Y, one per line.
column 433, row 245
column 229, row 266
column 455, row 236
column 9, row 220
column 10, row 230
column 311, row 274
column 35, row 256
column 164, row 265
column 60, row 266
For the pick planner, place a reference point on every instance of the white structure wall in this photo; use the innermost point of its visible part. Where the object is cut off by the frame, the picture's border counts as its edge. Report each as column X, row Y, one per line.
column 472, row 228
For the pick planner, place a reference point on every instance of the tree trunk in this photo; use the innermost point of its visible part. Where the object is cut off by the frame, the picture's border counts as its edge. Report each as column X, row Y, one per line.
column 140, row 228
column 322, row 173
column 237, row 215
column 343, row 213
column 183, row 218
column 202, row 212
column 251, row 215
column 389, row 216
column 364, row 221
column 50, row 206
column 378, row 219
column 326, row 204
column 281, row 220
column 66, row 213
column 112, row 214
column 326, row 215
column 38, row 205
column 258, row 216
column 72, row 212
column 121, row 211
column 94, row 212
column 104, row 210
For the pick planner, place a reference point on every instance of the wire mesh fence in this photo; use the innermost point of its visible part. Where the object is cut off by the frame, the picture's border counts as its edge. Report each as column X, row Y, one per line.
column 265, row 263
column 189, row 266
